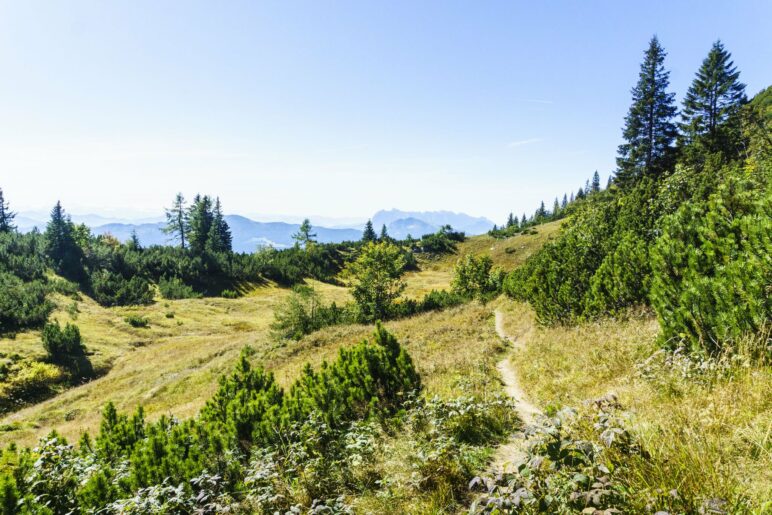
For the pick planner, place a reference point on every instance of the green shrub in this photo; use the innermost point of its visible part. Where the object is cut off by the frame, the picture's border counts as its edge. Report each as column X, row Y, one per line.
column 111, row 289
column 62, row 344
column 137, row 321
column 473, row 277
column 711, row 267
column 229, row 294
column 174, row 288
column 303, row 312
column 22, row 305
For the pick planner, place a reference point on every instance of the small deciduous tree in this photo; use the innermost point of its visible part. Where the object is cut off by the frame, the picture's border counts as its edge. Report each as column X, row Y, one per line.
column 375, row 279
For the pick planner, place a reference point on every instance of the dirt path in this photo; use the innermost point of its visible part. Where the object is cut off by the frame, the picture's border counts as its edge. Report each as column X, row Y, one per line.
column 512, row 450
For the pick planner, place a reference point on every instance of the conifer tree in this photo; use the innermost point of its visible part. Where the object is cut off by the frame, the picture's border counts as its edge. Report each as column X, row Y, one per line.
column 572, row 197
column 61, row 246
column 200, row 223
column 6, row 215
column 523, row 220
column 714, row 96
column 580, row 194
column 541, row 212
column 133, row 242
column 177, row 220
column 564, row 204
column 649, row 130
column 595, row 186
column 304, row 236
column 369, row 233
column 384, row 234
column 556, row 208
column 220, row 239
column 511, row 220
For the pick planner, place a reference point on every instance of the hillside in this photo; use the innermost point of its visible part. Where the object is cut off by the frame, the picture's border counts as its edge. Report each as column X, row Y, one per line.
column 191, row 342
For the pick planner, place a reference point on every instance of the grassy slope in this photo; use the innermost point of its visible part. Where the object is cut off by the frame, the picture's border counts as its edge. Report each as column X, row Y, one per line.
column 173, row 366
column 709, row 433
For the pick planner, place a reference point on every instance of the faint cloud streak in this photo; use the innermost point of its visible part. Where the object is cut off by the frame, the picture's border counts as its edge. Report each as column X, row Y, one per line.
column 520, row 143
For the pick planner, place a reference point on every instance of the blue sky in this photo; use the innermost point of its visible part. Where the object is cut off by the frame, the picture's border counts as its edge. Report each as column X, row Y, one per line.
column 335, row 108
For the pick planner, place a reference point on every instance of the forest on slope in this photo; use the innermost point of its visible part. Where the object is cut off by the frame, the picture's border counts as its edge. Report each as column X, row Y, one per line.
column 320, row 413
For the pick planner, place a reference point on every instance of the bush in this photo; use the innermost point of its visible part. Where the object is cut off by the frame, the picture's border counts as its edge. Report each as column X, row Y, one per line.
column 303, row 312
column 474, row 278
column 229, row 294
column 22, row 305
column 174, row 288
column 137, row 321
column 375, row 280
column 712, row 268
column 111, row 289
column 62, row 344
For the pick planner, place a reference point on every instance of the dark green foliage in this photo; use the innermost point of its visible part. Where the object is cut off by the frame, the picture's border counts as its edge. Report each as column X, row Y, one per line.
column 220, row 239
column 60, row 343
column 368, row 235
column 649, row 130
column 9, row 495
column 137, row 321
column 61, row 246
column 711, row 266
column 712, row 103
column 442, row 242
column 22, row 304
column 174, row 288
column 112, row 289
column 305, row 235
column 200, row 218
column 6, row 215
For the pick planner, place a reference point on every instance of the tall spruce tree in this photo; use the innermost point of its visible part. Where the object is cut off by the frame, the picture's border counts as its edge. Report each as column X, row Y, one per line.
column 220, row 239
column 200, row 223
column 511, row 220
column 384, row 234
column 649, row 130
column 177, row 220
column 595, row 186
column 368, row 234
column 61, row 246
column 6, row 215
column 715, row 95
column 556, row 208
column 564, row 203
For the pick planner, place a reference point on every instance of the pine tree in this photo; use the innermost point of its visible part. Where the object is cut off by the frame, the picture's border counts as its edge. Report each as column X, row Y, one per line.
column 595, row 187
column 564, row 204
column 541, row 212
column 714, row 96
column 511, row 220
column 61, row 246
column 133, row 242
column 523, row 220
column 649, row 130
column 6, row 215
column 384, row 234
column 177, row 220
column 555, row 208
column 220, row 239
column 304, row 236
column 580, row 194
column 200, row 218
column 570, row 200
column 369, row 233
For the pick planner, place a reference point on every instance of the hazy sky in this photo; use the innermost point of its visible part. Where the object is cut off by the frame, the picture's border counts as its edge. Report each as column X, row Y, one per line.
column 335, row 108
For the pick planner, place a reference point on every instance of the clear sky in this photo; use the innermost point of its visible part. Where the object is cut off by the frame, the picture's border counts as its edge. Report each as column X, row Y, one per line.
column 335, row 108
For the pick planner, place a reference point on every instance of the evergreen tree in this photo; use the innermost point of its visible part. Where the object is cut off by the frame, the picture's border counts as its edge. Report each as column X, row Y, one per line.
column 523, row 220
column 580, row 194
column 133, row 242
column 572, row 197
column 369, row 233
column 595, row 187
column 649, row 130
column 177, row 220
column 201, row 219
column 511, row 220
column 6, row 215
column 541, row 212
column 564, row 204
column 61, row 246
column 384, row 234
column 556, row 208
column 714, row 96
column 220, row 239
column 304, row 236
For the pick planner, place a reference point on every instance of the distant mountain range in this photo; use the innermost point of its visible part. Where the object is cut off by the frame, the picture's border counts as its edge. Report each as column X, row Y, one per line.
column 248, row 234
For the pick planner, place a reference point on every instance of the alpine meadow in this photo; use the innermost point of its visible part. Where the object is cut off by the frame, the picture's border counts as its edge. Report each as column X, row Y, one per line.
column 608, row 352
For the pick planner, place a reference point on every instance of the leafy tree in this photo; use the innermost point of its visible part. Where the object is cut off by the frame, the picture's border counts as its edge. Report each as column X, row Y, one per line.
column 369, row 233
column 303, row 312
column 649, row 130
column 473, row 277
column 61, row 246
column 6, row 215
column 375, row 279
column 177, row 223
column 714, row 97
